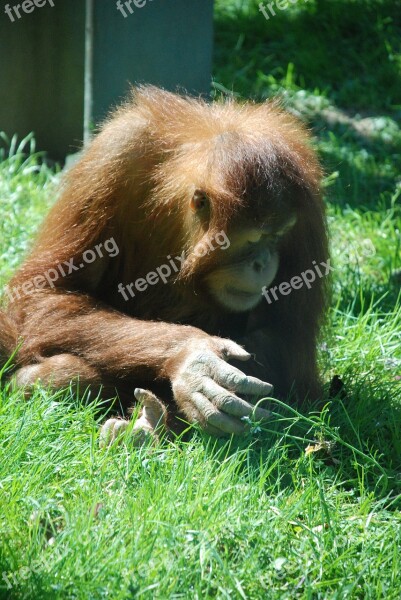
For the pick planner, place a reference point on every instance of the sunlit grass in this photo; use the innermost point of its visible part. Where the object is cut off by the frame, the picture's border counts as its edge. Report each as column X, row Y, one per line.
column 306, row 507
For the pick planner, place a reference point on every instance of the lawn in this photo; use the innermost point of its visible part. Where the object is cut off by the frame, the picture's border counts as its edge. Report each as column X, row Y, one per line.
column 307, row 507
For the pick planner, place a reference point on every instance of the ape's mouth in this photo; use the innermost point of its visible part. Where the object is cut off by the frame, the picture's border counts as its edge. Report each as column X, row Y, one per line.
column 245, row 295
column 237, row 300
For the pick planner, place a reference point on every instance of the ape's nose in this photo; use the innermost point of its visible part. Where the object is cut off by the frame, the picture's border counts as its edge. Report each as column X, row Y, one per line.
column 261, row 261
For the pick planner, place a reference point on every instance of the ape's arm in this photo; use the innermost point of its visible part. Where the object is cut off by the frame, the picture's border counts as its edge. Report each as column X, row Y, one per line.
column 119, row 346
column 113, row 342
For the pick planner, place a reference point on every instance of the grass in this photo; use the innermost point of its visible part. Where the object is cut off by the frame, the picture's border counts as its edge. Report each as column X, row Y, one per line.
column 307, row 507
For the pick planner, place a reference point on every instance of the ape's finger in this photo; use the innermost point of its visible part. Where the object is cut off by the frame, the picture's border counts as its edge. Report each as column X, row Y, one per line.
column 153, row 414
column 145, row 397
column 111, row 430
column 213, row 417
column 255, row 387
column 215, row 432
column 232, row 350
column 230, row 403
column 233, row 379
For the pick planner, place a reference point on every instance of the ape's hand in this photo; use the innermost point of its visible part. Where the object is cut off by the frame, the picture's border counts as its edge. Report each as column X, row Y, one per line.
column 205, row 386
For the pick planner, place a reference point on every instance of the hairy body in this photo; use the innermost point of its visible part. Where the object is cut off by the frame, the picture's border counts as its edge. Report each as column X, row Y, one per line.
column 163, row 179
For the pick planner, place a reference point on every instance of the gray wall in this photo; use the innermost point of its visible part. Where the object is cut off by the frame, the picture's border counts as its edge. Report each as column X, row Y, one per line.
column 42, row 73
column 166, row 42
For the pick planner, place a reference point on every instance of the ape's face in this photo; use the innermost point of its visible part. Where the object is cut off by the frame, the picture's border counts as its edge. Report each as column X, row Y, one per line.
column 248, row 262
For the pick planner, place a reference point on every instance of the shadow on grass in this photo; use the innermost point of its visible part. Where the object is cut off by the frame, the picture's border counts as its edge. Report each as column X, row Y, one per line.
column 384, row 297
column 368, row 164
column 346, row 48
column 353, row 441
column 349, row 51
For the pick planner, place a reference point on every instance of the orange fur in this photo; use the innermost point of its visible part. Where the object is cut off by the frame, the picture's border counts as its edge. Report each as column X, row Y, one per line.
column 134, row 183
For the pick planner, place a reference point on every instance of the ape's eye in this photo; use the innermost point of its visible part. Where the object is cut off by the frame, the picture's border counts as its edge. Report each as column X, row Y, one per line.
column 199, row 201
column 287, row 226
